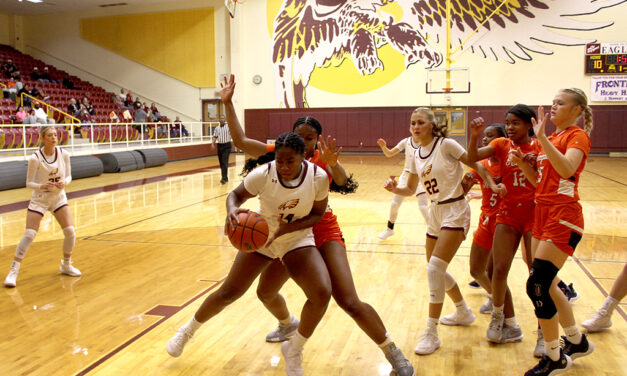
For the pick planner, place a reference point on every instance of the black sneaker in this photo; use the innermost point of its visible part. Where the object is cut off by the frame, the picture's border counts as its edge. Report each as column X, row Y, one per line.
column 569, row 291
column 548, row 367
column 577, row 351
column 474, row 285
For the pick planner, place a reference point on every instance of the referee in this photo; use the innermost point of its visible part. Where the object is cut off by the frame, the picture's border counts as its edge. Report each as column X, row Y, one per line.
column 222, row 137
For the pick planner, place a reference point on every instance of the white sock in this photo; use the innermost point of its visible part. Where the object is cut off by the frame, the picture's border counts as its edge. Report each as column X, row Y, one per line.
column 510, row 321
column 498, row 309
column 288, row 320
column 610, row 304
column 552, row 349
column 16, row 265
column 432, row 324
column 193, row 325
column 383, row 345
column 573, row 334
column 461, row 305
column 298, row 341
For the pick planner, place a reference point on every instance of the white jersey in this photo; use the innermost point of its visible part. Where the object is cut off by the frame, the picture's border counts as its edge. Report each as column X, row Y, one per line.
column 52, row 168
column 287, row 201
column 408, row 145
column 439, row 169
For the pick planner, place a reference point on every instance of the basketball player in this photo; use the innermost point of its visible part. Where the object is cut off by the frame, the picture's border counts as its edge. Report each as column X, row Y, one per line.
column 602, row 318
column 558, row 225
column 49, row 171
column 436, row 164
column 328, row 237
column 480, row 251
column 293, row 197
column 409, row 145
column 515, row 215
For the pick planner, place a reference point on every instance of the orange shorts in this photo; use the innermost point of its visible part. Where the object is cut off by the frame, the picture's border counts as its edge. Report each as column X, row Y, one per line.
column 484, row 234
column 327, row 230
column 562, row 225
column 518, row 215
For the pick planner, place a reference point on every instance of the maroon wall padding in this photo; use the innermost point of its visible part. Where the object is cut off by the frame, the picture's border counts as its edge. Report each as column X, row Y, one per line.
column 188, row 152
column 358, row 128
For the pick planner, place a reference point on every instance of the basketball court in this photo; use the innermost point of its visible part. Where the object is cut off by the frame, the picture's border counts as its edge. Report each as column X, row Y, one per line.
column 151, row 247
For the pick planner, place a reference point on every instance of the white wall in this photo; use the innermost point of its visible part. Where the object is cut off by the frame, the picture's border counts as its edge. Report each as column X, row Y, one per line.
column 56, row 39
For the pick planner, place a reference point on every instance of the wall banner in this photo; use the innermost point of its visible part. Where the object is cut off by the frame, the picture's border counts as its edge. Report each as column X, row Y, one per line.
column 608, row 88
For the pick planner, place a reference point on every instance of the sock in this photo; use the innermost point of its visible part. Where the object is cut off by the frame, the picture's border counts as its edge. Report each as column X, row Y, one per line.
column 193, row 325
column 390, row 225
column 610, row 304
column 16, row 265
column 432, row 324
column 384, row 345
column 288, row 320
column 497, row 309
column 461, row 305
column 298, row 341
column 573, row 334
column 510, row 321
column 552, row 349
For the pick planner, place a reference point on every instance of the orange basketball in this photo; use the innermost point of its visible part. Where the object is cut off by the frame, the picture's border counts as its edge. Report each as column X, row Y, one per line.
column 250, row 233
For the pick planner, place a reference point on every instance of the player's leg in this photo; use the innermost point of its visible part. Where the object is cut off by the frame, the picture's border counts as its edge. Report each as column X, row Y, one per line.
column 397, row 200
column 33, row 219
column 602, row 318
column 270, row 282
column 63, row 215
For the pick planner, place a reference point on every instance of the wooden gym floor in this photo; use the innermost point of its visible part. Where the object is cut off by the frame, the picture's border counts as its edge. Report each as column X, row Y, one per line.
column 150, row 246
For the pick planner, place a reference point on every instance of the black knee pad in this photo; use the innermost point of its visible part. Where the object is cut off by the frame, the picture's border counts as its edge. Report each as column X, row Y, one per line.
column 541, row 276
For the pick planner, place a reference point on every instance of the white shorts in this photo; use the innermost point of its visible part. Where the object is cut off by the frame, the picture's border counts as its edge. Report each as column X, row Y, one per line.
column 402, row 181
column 451, row 216
column 289, row 242
column 41, row 202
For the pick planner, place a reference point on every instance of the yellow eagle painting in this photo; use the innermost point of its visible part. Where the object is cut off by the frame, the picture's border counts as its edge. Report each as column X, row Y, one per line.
column 319, row 33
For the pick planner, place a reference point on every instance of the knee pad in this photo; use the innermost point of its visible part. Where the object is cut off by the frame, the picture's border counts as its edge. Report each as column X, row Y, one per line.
column 70, row 239
column 436, row 270
column 539, row 283
column 25, row 242
column 449, row 281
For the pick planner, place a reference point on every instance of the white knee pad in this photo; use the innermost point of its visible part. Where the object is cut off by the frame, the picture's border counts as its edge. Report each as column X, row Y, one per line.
column 436, row 270
column 25, row 242
column 423, row 205
column 70, row 239
column 449, row 281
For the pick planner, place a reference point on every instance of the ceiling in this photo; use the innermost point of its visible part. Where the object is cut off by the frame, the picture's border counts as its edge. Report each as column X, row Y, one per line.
column 61, row 6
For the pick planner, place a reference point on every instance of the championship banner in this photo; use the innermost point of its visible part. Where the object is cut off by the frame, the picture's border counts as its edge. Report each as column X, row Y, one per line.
column 608, row 88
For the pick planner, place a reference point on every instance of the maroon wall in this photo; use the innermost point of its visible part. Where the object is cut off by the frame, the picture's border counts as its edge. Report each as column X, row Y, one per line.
column 357, row 129
column 187, row 152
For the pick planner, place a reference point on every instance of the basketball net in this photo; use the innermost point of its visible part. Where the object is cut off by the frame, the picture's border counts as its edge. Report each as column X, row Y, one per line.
column 230, row 6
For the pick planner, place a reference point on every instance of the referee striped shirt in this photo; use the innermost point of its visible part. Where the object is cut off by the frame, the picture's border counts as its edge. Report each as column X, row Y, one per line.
column 222, row 134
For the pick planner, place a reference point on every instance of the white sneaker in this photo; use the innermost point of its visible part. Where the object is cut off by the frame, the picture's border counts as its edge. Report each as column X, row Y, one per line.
column 68, row 269
column 177, row 343
column 11, row 278
column 459, row 317
column 429, row 342
column 293, row 359
column 386, row 233
column 539, row 351
column 486, row 307
column 511, row 334
column 495, row 329
column 600, row 321
column 283, row 332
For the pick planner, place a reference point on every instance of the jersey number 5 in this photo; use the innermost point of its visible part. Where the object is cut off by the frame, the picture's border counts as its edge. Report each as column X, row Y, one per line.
column 431, row 186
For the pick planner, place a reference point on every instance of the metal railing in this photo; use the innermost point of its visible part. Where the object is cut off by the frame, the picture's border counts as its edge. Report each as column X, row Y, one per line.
column 18, row 141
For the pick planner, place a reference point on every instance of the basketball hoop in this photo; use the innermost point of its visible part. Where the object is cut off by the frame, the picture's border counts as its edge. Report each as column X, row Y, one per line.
column 230, row 6
column 447, row 90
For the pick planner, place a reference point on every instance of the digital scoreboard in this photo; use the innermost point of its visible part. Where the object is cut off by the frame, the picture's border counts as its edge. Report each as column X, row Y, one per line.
column 606, row 58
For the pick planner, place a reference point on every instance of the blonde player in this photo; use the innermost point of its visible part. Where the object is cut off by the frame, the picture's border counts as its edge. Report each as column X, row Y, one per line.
column 437, row 165
column 409, row 145
column 48, row 174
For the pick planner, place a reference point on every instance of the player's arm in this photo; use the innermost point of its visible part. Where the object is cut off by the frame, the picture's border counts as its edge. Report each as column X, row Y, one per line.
column 68, row 171
column 384, row 148
column 468, row 180
column 483, row 172
column 234, row 200
column 474, row 152
column 330, row 154
column 407, row 190
column 31, row 173
column 516, row 157
column 248, row 145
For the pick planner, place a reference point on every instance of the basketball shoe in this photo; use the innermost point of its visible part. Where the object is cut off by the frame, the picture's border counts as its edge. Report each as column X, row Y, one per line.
column 511, row 334
column 495, row 329
column 600, row 321
column 548, row 367
column 386, row 233
column 400, row 364
column 474, row 284
column 459, row 317
column 283, row 332
column 293, row 359
column 583, row 348
column 487, row 307
column 68, row 269
column 429, row 342
column 10, row 280
column 177, row 343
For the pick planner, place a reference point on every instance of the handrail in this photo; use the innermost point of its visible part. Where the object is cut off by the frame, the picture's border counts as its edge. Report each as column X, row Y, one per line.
column 48, row 106
column 3, row 85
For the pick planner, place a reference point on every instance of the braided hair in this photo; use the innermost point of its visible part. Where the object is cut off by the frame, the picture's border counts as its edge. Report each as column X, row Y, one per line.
column 308, row 120
column 581, row 100
column 499, row 128
column 524, row 113
column 285, row 140
column 439, row 130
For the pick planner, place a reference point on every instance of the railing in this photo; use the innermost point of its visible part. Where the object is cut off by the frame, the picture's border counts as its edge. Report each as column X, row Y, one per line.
column 18, row 141
column 73, row 120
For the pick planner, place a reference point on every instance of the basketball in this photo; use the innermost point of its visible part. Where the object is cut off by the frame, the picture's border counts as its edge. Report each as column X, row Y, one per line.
column 250, row 233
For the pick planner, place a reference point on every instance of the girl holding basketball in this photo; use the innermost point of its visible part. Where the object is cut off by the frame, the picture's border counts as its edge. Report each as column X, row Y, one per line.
column 514, row 219
column 409, row 145
column 558, row 225
column 436, row 164
column 328, row 237
column 293, row 197
column 49, row 171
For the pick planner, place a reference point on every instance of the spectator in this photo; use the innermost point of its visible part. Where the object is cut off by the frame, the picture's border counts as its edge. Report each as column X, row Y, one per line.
column 21, row 114
column 154, row 110
column 69, row 84
column 41, row 115
column 9, row 69
column 45, row 76
column 26, row 90
column 10, row 91
column 137, row 104
column 180, row 127
column 38, row 92
column 122, row 95
column 116, row 100
column 73, row 108
column 34, row 75
column 90, row 109
column 141, row 115
column 31, row 118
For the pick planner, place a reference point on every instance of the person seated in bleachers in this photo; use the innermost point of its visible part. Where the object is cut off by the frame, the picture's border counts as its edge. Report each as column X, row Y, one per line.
column 34, row 75
column 137, row 104
column 180, row 127
column 116, row 100
column 38, row 92
column 140, row 116
column 21, row 114
column 9, row 69
column 154, row 110
column 69, row 84
column 30, row 118
column 41, row 115
column 45, row 75
column 122, row 95
column 90, row 109
column 10, row 91
column 26, row 90
column 73, row 108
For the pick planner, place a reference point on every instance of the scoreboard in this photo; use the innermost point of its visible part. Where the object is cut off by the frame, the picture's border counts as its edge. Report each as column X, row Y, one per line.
column 606, row 58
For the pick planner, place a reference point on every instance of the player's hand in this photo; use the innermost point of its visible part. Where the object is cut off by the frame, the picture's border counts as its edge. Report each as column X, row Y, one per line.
column 473, row 195
column 231, row 219
column 501, row 189
column 228, row 88
column 60, row 184
column 390, row 184
column 382, row 144
column 49, row 186
column 476, row 126
column 539, row 126
column 281, row 230
column 329, row 153
column 515, row 157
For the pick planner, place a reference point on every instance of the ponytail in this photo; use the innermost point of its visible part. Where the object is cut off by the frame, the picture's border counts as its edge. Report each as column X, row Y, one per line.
column 587, row 120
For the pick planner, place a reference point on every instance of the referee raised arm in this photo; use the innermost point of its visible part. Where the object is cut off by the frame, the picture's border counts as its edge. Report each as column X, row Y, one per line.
column 222, row 137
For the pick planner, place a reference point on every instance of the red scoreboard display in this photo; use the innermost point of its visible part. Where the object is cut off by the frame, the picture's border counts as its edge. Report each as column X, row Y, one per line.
column 606, row 58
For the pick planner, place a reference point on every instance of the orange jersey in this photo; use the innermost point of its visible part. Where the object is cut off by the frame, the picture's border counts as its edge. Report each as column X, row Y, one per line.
column 315, row 159
column 552, row 188
column 519, row 189
column 491, row 200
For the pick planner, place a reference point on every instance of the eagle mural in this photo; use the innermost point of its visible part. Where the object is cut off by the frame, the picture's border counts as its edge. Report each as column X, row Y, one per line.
column 320, row 33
